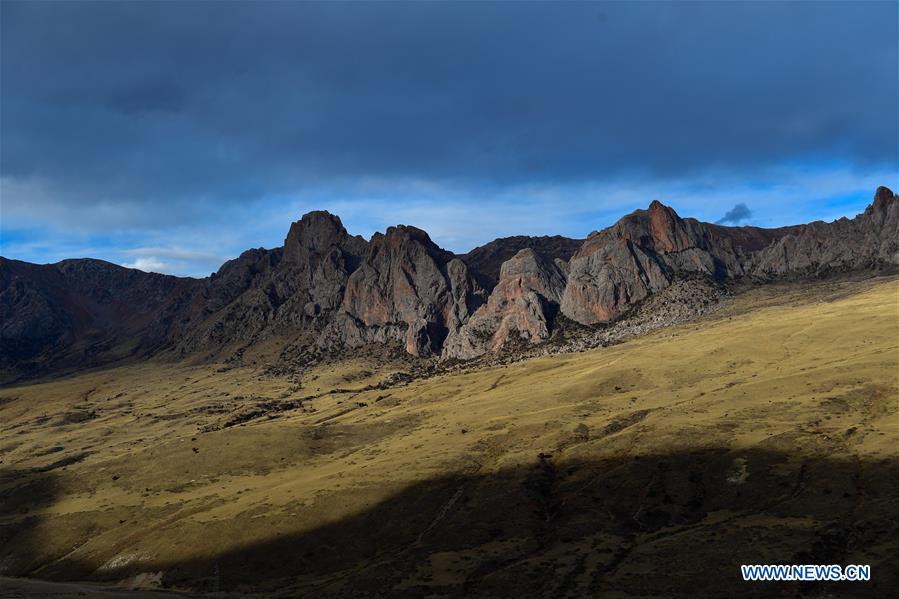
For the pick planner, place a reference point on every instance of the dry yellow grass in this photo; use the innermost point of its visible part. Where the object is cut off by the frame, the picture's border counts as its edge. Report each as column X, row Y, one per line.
column 736, row 438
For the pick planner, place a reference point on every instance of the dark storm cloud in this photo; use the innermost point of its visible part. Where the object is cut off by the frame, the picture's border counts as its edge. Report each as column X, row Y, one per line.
column 195, row 106
column 735, row 215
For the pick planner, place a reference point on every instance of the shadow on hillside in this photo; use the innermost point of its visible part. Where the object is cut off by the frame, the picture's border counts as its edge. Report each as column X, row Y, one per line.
column 662, row 525
column 23, row 494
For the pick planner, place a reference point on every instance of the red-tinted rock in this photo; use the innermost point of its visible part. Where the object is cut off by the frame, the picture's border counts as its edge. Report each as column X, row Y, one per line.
column 522, row 305
column 408, row 289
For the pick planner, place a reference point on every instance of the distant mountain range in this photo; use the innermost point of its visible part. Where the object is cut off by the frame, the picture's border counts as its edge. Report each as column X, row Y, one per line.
column 331, row 291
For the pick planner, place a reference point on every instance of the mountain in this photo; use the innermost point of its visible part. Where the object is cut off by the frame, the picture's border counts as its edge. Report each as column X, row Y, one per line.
column 78, row 313
column 270, row 292
column 647, row 250
column 328, row 290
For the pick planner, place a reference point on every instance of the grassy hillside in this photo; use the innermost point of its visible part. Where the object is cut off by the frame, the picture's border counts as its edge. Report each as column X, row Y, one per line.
column 765, row 433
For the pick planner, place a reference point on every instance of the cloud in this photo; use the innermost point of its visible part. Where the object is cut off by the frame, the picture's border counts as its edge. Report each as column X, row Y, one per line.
column 149, row 264
column 143, row 130
column 145, row 114
column 174, row 260
column 177, row 253
column 735, row 215
column 457, row 217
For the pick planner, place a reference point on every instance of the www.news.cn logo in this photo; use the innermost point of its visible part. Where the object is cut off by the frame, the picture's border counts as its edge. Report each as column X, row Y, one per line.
column 808, row 572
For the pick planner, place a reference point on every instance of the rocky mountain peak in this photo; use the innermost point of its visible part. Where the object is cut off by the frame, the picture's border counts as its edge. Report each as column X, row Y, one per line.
column 318, row 231
column 884, row 199
column 526, row 262
column 667, row 228
column 658, row 227
column 883, row 194
column 409, row 238
column 407, row 289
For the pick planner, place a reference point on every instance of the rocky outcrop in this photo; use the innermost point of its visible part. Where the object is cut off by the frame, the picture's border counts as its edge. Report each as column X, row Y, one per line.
column 406, row 289
column 319, row 257
column 267, row 292
column 648, row 249
column 868, row 241
column 640, row 255
column 521, row 306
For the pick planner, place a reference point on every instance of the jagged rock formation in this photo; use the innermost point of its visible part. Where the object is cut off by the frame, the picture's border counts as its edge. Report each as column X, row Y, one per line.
column 335, row 290
column 522, row 305
column 265, row 292
column 407, row 289
column 645, row 251
column 867, row 241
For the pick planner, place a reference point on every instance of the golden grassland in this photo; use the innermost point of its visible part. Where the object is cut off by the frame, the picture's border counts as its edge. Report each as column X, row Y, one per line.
column 766, row 432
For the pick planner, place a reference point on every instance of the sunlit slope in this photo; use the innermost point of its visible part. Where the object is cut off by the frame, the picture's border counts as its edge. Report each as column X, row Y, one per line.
column 767, row 433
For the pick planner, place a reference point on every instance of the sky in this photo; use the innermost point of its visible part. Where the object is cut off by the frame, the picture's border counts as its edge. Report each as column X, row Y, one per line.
column 172, row 136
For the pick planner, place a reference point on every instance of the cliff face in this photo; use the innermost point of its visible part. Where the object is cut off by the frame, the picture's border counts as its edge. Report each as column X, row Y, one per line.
column 645, row 251
column 867, row 241
column 407, row 289
column 343, row 291
column 521, row 306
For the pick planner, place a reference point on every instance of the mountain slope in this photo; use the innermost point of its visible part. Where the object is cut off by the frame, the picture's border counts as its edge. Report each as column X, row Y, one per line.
column 772, row 420
column 79, row 313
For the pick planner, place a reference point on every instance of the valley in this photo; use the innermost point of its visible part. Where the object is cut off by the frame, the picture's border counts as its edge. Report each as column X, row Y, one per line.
column 762, row 432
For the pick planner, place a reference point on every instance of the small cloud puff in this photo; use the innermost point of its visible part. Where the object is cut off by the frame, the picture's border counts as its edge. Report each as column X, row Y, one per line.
column 735, row 215
column 149, row 264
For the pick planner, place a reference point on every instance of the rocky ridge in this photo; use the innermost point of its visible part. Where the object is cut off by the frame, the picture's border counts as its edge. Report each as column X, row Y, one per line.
column 328, row 290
